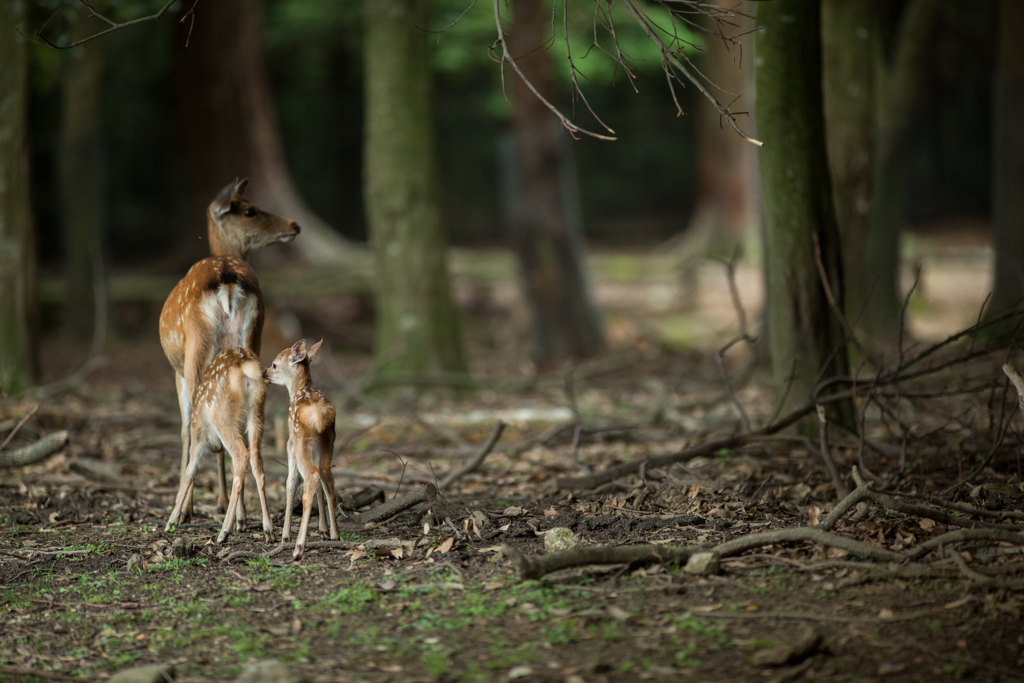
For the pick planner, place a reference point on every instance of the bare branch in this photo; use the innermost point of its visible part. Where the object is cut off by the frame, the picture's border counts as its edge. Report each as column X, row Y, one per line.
column 506, row 56
column 114, row 26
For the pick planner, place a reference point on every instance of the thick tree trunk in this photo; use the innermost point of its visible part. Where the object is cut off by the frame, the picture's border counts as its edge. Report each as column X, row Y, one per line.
column 18, row 329
column 229, row 125
column 804, row 334
column 80, row 192
column 1008, row 153
column 417, row 328
column 898, row 75
column 564, row 319
column 849, row 44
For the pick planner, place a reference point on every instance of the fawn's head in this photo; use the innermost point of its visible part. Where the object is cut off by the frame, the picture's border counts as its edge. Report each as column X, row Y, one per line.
column 237, row 226
column 291, row 363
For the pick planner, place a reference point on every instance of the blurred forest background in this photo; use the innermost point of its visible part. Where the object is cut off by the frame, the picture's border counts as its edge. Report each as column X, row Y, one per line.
column 132, row 135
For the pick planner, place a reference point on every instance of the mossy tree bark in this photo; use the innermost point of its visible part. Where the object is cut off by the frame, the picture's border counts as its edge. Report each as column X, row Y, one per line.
column 417, row 328
column 850, row 38
column 565, row 321
column 80, row 191
column 18, row 329
column 804, row 335
column 1008, row 153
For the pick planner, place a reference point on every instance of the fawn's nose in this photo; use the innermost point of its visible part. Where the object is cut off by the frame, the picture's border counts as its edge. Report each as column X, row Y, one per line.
column 295, row 226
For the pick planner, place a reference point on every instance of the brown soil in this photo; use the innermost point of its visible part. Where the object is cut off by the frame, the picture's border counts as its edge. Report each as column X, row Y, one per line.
column 440, row 602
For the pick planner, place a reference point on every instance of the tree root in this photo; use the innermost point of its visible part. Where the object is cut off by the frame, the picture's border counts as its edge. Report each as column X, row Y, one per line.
column 539, row 565
column 424, row 494
column 33, row 453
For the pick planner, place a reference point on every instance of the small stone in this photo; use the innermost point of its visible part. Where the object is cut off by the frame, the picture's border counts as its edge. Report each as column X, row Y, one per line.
column 513, row 511
column 271, row 671
column 521, row 671
column 702, row 564
column 155, row 673
column 560, row 538
column 136, row 563
column 181, row 548
column 481, row 519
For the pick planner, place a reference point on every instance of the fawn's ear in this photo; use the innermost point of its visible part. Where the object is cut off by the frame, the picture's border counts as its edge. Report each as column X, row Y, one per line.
column 311, row 353
column 240, row 186
column 298, row 352
column 222, row 202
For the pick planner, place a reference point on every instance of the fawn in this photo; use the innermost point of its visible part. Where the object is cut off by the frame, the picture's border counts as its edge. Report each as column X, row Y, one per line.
column 227, row 407
column 310, row 440
column 218, row 305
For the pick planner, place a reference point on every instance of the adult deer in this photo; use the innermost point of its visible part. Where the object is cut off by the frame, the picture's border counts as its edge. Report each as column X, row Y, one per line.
column 310, row 441
column 218, row 305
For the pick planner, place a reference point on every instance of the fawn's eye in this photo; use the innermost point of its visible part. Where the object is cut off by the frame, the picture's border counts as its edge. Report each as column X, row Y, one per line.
column 273, row 366
column 250, row 212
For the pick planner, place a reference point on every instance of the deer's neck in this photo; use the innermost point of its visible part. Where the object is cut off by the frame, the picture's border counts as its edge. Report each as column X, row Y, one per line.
column 221, row 243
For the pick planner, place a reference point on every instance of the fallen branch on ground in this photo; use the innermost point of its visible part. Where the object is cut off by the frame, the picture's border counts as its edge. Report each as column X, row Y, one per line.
column 477, row 460
column 33, row 453
column 424, row 494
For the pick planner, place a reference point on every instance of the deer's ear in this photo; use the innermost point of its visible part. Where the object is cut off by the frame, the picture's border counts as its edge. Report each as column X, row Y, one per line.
column 240, row 186
column 311, row 353
column 222, row 203
column 298, row 352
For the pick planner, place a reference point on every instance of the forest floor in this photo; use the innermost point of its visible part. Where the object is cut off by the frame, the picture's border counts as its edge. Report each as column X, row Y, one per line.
column 922, row 585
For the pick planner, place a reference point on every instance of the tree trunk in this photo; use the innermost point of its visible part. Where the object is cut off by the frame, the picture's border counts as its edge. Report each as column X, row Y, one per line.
column 564, row 319
column 898, row 74
column 80, row 192
column 229, row 125
column 849, row 43
column 727, row 202
column 18, row 328
column 417, row 328
column 803, row 333
column 1008, row 153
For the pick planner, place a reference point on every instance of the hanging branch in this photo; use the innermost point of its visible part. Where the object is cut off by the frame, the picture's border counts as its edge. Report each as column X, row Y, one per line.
column 114, row 26
column 506, row 56
column 669, row 56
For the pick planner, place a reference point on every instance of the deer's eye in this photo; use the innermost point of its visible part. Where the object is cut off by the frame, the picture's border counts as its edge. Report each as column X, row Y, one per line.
column 273, row 366
column 250, row 212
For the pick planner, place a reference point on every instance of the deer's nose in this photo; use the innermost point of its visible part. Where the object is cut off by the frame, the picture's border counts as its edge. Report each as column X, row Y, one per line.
column 295, row 226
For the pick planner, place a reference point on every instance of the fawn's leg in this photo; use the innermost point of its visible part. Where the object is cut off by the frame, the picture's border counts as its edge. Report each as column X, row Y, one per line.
column 256, row 464
column 187, row 481
column 291, row 488
column 239, row 456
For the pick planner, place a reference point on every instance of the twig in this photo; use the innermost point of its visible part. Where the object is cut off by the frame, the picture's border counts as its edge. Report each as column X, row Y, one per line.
column 477, row 460
column 506, row 56
column 114, row 26
column 18, row 426
column 668, row 55
column 826, row 454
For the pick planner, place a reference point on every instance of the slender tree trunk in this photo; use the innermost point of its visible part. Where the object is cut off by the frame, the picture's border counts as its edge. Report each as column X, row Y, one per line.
column 898, row 75
column 228, row 122
column 727, row 198
column 1008, row 153
column 804, row 335
column 564, row 319
column 18, row 329
column 417, row 328
column 80, row 192
column 849, row 44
